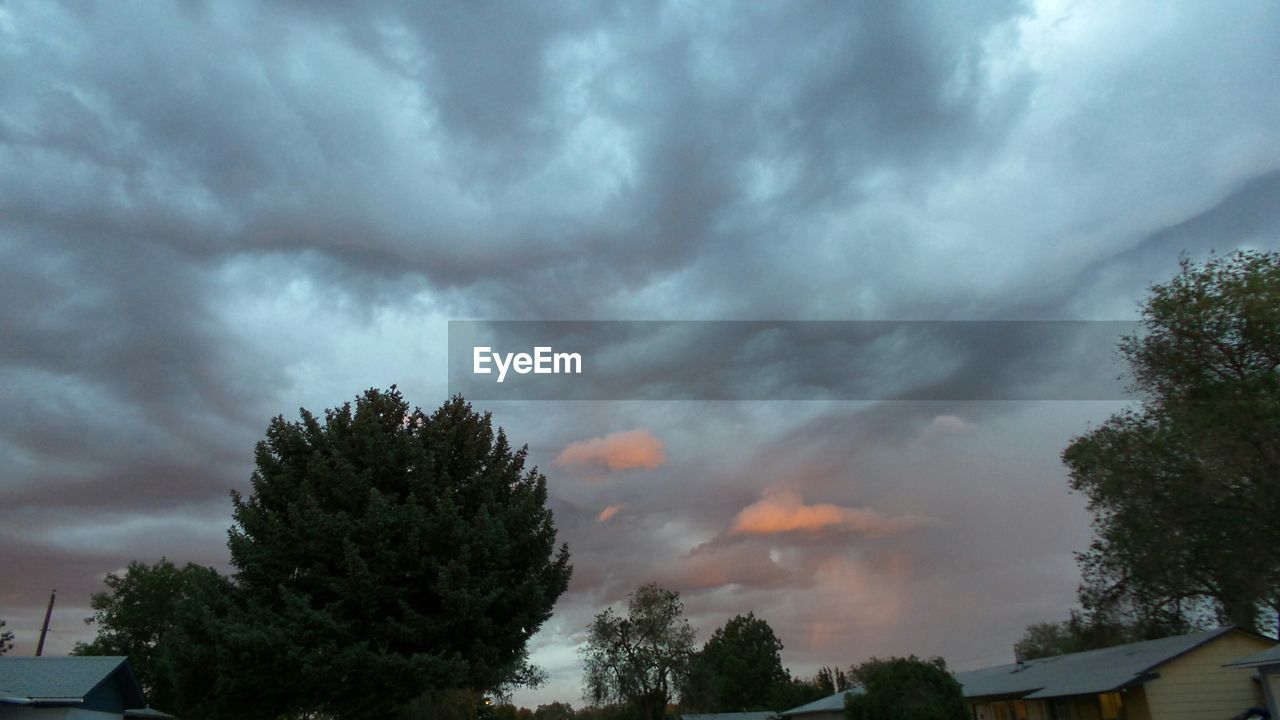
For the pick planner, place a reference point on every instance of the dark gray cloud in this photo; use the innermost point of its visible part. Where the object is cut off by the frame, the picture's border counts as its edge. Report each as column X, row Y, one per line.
column 213, row 213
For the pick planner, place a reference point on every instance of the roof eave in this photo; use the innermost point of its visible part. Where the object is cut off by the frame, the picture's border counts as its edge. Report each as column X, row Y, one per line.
column 996, row 697
column 1130, row 683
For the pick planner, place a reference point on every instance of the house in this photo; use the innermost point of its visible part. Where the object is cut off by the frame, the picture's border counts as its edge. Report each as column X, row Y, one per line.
column 1174, row 678
column 71, row 688
column 1201, row 676
column 830, row 707
column 1267, row 663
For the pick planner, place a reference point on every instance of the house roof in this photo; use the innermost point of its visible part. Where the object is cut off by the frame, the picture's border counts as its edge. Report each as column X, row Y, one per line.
column 730, row 716
column 50, row 679
column 60, row 681
column 1270, row 656
column 830, row 703
column 1093, row 671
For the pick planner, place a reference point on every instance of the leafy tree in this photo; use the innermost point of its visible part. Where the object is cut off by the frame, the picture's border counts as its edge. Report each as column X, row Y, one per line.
column 1075, row 634
column 802, row 691
column 195, row 669
column 137, row 614
column 1183, row 487
column 507, row 711
column 6, row 639
column 832, row 678
column 739, row 669
column 554, row 711
column 608, row 712
column 457, row 704
column 383, row 555
column 639, row 659
column 906, row 689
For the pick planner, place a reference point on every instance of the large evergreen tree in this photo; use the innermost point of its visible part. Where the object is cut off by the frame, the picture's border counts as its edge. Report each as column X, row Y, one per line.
column 383, row 554
column 1185, row 487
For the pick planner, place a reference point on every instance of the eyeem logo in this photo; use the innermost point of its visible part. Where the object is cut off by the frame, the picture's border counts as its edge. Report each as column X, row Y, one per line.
column 543, row 361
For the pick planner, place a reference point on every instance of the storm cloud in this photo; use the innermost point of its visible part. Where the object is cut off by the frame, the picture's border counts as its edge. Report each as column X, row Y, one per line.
column 215, row 213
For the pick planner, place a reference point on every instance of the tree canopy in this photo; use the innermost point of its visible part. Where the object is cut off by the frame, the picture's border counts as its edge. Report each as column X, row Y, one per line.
column 905, row 689
column 137, row 616
column 1182, row 487
column 739, row 669
column 385, row 553
column 1076, row 634
column 554, row 711
column 6, row 639
column 831, row 679
column 641, row 658
column 383, row 556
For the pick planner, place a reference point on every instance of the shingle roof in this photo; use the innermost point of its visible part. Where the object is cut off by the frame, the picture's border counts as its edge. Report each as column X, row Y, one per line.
column 1089, row 672
column 1270, row 656
column 830, row 703
column 70, row 681
column 53, row 678
column 730, row 716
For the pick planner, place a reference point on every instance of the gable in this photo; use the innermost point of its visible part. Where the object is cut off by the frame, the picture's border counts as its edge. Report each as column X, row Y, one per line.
column 90, row 682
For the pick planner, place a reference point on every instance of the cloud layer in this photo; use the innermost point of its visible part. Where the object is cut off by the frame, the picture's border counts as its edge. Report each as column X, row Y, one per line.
column 212, row 214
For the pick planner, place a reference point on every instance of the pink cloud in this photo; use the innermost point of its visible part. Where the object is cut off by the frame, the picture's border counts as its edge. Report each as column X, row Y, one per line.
column 617, row 451
column 608, row 512
column 783, row 511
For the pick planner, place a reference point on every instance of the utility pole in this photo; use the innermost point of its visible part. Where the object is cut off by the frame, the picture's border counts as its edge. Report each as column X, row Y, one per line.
column 44, row 630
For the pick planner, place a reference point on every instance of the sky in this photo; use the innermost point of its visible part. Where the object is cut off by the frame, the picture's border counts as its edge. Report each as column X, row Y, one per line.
column 215, row 213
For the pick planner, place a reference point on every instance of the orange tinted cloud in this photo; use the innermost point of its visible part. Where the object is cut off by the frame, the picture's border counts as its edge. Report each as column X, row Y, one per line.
column 784, row 511
column 617, row 451
column 608, row 512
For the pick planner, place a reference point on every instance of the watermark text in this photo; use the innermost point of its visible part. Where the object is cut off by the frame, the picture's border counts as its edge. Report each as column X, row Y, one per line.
column 543, row 361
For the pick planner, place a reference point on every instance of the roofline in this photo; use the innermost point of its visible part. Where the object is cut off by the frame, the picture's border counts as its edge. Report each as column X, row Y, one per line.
column 1003, row 696
column 844, row 694
column 40, row 701
column 128, row 668
column 56, row 702
column 1254, row 664
column 1135, row 681
column 1211, row 636
column 1257, row 663
column 1139, row 678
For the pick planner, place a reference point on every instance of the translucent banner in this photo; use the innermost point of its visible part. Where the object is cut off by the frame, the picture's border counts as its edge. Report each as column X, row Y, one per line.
column 787, row 360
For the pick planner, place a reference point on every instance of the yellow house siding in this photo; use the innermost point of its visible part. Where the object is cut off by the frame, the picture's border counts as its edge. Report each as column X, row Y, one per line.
column 1197, row 687
column 1135, row 704
column 1085, row 708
